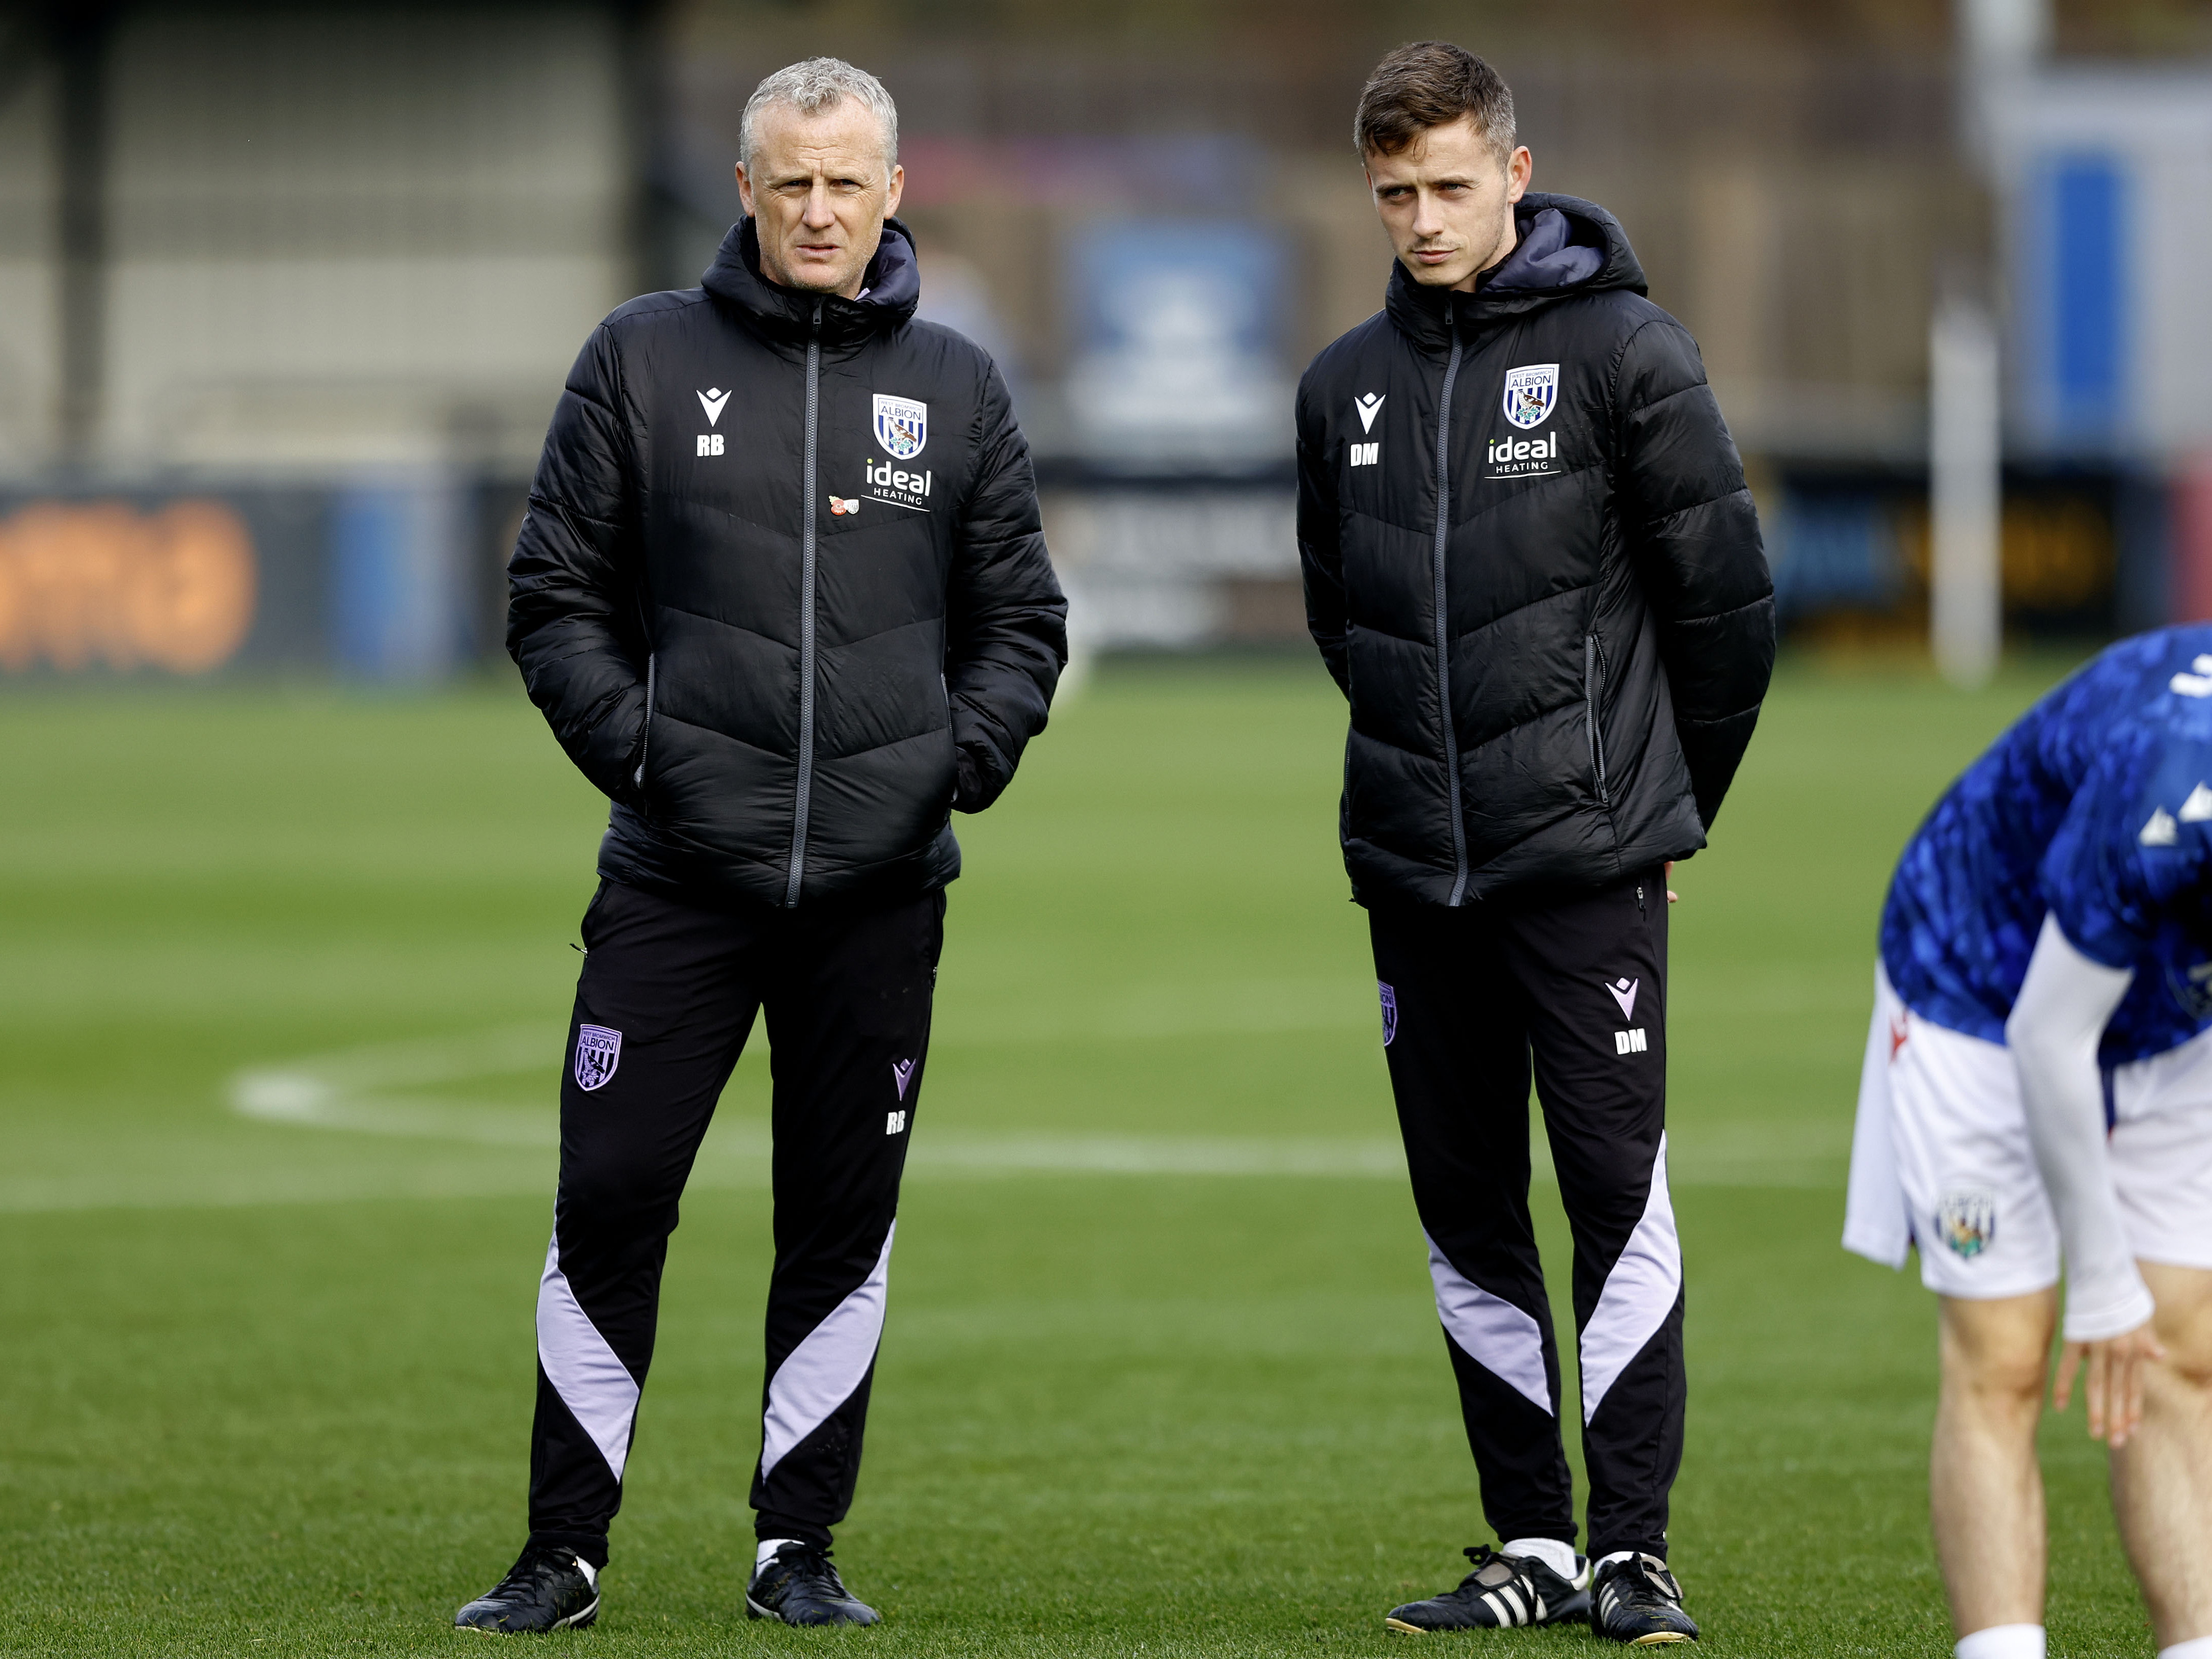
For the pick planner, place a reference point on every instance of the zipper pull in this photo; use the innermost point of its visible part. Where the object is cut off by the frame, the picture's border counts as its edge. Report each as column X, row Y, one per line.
column 818, row 316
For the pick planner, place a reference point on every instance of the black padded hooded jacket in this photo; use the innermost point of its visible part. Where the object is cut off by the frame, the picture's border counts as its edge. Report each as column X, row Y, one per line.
column 781, row 588
column 1532, row 565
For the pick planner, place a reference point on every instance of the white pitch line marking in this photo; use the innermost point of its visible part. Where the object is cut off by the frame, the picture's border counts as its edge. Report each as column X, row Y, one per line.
column 353, row 1090
column 378, row 1090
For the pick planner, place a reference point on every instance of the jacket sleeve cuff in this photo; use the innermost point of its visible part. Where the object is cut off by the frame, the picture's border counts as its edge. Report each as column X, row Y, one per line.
column 979, row 776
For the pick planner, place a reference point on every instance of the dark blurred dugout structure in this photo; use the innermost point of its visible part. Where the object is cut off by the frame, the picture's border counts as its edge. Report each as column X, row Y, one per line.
column 287, row 292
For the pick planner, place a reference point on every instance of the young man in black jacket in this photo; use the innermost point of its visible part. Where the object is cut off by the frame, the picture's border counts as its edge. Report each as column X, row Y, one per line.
column 1531, row 563
column 782, row 595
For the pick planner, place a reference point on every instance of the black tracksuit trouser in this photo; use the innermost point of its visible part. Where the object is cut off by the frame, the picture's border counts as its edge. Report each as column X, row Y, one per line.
column 666, row 1001
column 1470, row 997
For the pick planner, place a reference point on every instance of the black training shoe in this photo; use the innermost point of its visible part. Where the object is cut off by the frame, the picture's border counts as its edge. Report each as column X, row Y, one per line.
column 548, row 1589
column 1503, row 1591
column 797, row 1585
column 1637, row 1601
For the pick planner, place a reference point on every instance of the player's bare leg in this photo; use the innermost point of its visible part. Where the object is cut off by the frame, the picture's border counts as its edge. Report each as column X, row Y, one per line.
column 1985, row 1488
column 2162, row 1477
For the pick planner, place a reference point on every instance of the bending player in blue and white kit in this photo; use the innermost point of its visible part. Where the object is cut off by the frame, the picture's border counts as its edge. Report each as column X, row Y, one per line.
column 2039, row 1073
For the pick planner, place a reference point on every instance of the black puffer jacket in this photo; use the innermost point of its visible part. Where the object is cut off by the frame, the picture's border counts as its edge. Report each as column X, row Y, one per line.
column 781, row 582
column 1522, row 506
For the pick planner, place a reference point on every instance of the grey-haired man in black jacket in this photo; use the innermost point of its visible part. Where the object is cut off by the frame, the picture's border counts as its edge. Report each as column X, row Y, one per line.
column 1532, row 565
column 782, row 595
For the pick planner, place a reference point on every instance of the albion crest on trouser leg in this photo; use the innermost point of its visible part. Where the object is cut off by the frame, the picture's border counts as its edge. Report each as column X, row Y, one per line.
column 599, row 1051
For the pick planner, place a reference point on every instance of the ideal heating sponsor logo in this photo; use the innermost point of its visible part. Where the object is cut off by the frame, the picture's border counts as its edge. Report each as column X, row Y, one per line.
column 1523, row 458
column 897, row 487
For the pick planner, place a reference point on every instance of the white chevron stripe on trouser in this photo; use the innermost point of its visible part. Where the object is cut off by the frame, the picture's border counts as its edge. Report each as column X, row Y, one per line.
column 1639, row 1293
column 595, row 1386
column 1490, row 1330
column 820, row 1374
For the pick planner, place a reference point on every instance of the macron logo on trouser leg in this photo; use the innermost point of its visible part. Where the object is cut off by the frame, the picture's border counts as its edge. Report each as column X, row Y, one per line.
column 1632, row 1041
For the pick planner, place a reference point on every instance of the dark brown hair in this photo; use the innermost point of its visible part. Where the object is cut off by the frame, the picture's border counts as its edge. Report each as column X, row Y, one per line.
column 1431, row 83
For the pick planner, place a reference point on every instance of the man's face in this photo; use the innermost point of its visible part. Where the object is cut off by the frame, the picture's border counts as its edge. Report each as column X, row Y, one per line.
column 819, row 192
column 1447, row 201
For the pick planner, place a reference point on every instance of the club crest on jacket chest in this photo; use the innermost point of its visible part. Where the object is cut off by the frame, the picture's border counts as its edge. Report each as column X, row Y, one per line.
column 902, row 426
column 1532, row 393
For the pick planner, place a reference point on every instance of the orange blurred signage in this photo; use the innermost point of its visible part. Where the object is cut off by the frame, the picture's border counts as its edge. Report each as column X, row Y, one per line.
column 102, row 583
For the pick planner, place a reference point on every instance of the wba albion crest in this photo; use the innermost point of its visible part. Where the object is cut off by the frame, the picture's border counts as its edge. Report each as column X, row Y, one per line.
column 1531, row 392
column 599, row 1051
column 902, row 426
column 1967, row 1218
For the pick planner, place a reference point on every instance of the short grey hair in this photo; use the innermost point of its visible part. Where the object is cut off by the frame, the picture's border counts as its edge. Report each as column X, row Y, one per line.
column 811, row 85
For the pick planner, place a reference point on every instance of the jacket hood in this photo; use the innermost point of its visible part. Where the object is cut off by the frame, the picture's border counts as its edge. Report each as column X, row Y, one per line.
column 890, row 287
column 1564, row 246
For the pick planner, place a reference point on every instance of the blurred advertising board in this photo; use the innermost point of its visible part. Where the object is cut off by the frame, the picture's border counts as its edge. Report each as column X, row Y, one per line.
column 1851, row 557
column 1179, row 365
column 387, row 580
column 1169, row 566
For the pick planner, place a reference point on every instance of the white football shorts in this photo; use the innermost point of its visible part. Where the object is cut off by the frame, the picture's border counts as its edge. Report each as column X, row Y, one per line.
column 1940, row 1116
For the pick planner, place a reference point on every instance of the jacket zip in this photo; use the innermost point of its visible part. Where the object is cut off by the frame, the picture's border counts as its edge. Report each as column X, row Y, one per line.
column 1593, row 699
column 804, row 798
column 1444, row 629
column 645, row 747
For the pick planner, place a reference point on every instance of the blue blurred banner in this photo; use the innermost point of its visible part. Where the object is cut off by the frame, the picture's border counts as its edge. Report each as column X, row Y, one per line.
column 1179, row 365
column 2075, row 287
column 397, row 604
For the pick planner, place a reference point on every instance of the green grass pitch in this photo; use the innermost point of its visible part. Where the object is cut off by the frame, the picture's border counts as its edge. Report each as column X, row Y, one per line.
column 1161, row 1374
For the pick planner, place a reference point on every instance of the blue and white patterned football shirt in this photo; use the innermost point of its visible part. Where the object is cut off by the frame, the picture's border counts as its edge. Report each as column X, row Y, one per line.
column 2096, row 807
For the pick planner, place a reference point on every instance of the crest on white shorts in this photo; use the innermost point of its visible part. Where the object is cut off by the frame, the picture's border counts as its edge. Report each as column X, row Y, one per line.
column 1967, row 1219
column 599, row 1051
column 902, row 426
column 1531, row 392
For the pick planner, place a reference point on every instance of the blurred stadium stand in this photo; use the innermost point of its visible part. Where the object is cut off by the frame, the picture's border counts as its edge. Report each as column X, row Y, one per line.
column 315, row 272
